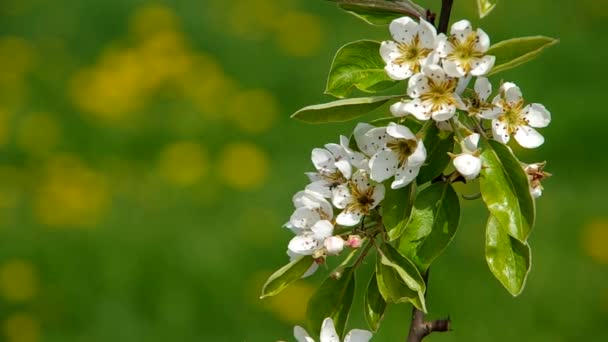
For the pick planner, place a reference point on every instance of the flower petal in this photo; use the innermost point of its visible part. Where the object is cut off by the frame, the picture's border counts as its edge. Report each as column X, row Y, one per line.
column 528, row 137
column 427, row 34
column 482, row 66
column 536, row 192
column 461, row 29
column 349, row 218
column 361, row 181
column 358, row 335
column 303, row 218
column 483, row 88
column 321, row 187
column 303, row 244
column 398, row 109
column 377, row 195
column 399, row 131
column 468, row 165
column 471, row 142
column 333, row 245
column 444, row 48
column 398, row 71
column 434, row 72
column 322, row 229
column 404, row 176
column 510, row 92
column 419, row 155
column 490, row 113
column 417, row 85
column 301, row 335
column 463, row 83
column 403, row 29
column 453, row 68
column 322, row 159
column 341, row 196
column 499, row 131
column 389, row 51
column 445, row 112
column 483, row 41
column 383, row 165
column 344, row 167
column 420, row 110
column 537, row 115
column 336, row 150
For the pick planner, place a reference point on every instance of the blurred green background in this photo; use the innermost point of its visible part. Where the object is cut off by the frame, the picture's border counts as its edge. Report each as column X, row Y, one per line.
column 147, row 163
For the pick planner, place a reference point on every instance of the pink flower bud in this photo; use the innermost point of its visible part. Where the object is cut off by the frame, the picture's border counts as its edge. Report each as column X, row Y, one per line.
column 333, row 245
column 354, row 241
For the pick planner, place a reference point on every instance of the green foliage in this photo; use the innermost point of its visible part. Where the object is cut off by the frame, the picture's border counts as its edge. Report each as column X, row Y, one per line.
column 505, row 189
column 286, row 275
column 434, row 222
column 341, row 110
column 398, row 279
column 437, row 145
column 381, row 12
column 508, row 258
column 396, row 209
column 334, row 299
column 484, row 7
column 375, row 305
column 371, row 16
column 517, row 51
column 357, row 65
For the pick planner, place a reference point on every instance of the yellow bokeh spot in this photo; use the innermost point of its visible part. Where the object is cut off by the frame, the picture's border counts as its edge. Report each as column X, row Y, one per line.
column 243, row 166
column 289, row 305
column 151, row 19
column 183, row 163
column 18, row 281
column 299, row 34
column 21, row 327
column 71, row 194
column 595, row 241
column 38, row 134
column 253, row 19
column 16, row 58
column 254, row 111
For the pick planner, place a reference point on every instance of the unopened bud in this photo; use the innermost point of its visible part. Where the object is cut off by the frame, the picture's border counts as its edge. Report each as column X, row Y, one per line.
column 333, row 245
column 354, row 241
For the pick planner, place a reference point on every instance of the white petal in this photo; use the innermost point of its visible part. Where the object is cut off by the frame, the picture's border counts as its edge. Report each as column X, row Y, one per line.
column 463, row 82
column 301, row 335
column 434, row 72
column 471, row 141
column 536, row 192
column 468, row 165
column 499, row 131
column 398, row 71
column 349, row 218
column 358, row 335
column 482, row 66
column 430, row 59
column 303, row 218
column 377, row 195
column 311, row 199
column 483, row 88
column 399, row 131
column 461, row 29
column 313, row 176
column 328, row 331
column 445, row 112
column 491, row 113
column 453, row 68
column 303, row 244
column 420, row 110
column 373, row 140
column 321, row 187
column 528, row 137
column 398, row 109
column 322, row 229
column 403, row 29
column 336, row 150
column 341, row 196
column 361, row 181
column 405, row 176
column 444, row 48
column 334, row 245
column 427, row 34
column 419, row 155
column 483, row 41
column 417, row 85
column 322, row 159
column 344, row 167
column 537, row 115
column 511, row 93
column 389, row 50
column 383, row 165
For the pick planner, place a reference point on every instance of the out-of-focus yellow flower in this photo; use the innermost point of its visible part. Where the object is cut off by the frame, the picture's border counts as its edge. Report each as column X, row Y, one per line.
column 18, row 281
column 21, row 327
column 243, row 166
column 38, row 134
column 254, row 111
column 152, row 19
column 16, row 60
column 595, row 240
column 253, row 19
column 299, row 34
column 164, row 56
column 183, row 163
column 289, row 305
column 71, row 194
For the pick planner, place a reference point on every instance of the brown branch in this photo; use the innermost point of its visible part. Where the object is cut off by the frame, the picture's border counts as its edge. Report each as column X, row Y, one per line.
column 444, row 19
column 420, row 328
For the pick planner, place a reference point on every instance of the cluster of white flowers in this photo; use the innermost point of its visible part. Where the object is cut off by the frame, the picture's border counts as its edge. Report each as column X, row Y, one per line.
column 439, row 68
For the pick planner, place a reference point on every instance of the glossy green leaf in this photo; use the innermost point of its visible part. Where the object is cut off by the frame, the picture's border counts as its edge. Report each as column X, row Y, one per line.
column 334, row 299
column 341, row 110
column 508, row 258
column 358, row 65
column 381, row 12
column 396, row 208
column 505, row 189
column 286, row 275
column 437, row 144
column 434, row 222
column 375, row 305
column 514, row 52
column 484, row 7
column 398, row 279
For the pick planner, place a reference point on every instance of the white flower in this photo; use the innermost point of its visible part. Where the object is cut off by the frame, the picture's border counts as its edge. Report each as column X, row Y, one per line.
column 333, row 245
column 479, row 105
column 434, row 96
column 468, row 163
column 402, row 156
column 536, row 174
column 358, row 197
column 329, row 334
column 463, row 52
column 334, row 166
column 311, row 207
column 369, row 138
column 413, row 47
column 310, row 241
column 518, row 119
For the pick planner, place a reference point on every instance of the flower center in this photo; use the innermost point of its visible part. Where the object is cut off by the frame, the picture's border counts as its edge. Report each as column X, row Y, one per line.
column 464, row 51
column 513, row 116
column 412, row 53
column 440, row 93
column 363, row 199
column 404, row 148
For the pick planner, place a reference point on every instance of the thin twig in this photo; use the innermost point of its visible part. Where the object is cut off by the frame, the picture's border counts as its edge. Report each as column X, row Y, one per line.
column 444, row 19
column 420, row 328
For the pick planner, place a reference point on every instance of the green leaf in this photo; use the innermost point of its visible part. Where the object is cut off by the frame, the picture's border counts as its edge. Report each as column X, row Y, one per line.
column 485, row 7
column 505, row 189
column 514, row 52
column 437, row 145
column 286, row 275
column 358, row 65
column 334, row 299
column 398, row 279
column 375, row 305
column 396, row 209
column 434, row 222
column 381, row 12
column 508, row 259
column 341, row 110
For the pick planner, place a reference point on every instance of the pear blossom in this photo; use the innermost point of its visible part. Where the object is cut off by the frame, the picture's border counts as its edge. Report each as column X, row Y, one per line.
column 354, row 241
column 433, row 95
column 402, row 156
column 333, row 245
column 464, row 51
column 310, row 242
column 413, row 47
column 478, row 105
column 536, row 174
column 468, row 163
column 329, row 334
column 311, row 207
column 357, row 198
column 369, row 138
column 517, row 119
